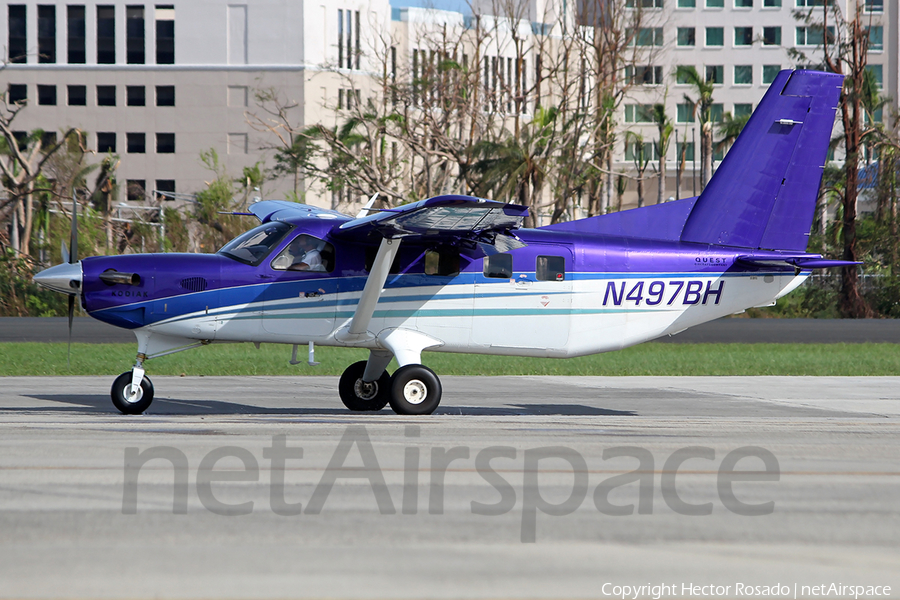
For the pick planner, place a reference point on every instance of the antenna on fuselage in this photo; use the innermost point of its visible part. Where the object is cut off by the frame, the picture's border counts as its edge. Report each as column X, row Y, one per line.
column 368, row 207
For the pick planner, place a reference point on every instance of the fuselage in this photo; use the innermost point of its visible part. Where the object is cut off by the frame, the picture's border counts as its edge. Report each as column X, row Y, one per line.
column 563, row 294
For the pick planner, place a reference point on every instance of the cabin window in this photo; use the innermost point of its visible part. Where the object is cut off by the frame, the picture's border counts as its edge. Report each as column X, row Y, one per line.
column 442, row 261
column 550, row 268
column 253, row 246
column 498, row 265
column 306, row 253
column 372, row 253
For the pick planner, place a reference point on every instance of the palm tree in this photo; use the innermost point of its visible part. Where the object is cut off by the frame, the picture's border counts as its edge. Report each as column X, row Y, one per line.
column 665, row 127
column 730, row 128
column 641, row 159
column 702, row 111
column 516, row 167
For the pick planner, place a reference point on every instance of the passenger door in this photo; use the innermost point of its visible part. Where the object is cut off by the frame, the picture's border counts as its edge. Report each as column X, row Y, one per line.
column 528, row 305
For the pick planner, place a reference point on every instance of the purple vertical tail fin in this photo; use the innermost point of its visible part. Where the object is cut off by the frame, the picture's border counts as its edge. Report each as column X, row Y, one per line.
column 763, row 195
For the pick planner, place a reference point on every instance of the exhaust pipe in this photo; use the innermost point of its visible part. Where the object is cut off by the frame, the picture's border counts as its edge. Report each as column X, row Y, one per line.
column 112, row 277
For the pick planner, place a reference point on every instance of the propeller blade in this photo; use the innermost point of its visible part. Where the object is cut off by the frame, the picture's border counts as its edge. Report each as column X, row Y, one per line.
column 65, row 252
column 71, row 314
column 73, row 241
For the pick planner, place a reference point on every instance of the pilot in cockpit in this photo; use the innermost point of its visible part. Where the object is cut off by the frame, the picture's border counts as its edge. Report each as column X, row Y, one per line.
column 305, row 253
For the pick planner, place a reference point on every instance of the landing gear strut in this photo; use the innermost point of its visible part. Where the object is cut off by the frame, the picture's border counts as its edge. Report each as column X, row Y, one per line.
column 125, row 401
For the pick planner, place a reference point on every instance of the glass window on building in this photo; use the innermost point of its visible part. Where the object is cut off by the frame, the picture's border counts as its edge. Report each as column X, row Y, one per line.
column 715, row 74
column 715, row 3
column 743, row 110
column 647, row 36
column 640, row 152
column 812, row 36
column 877, row 73
column 165, row 95
column 743, row 36
column 769, row 73
column 771, row 36
column 75, row 30
column 46, row 33
column 743, row 3
column 715, row 36
column 876, row 38
column 134, row 35
column 106, row 142
column 106, row 95
column 771, row 3
column 684, row 113
column 681, row 74
column 638, row 113
column 136, row 95
column 716, row 113
column 165, row 34
column 137, row 143
column 77, row 95
column 874, row 6
column 165, row 143
column 106, row 35
column 17, row 93
column 47, row 95
column 17, row 32
column 743, row 74
column 687, row 36
column 165, row 189
column 135, row 189
column 687, row 3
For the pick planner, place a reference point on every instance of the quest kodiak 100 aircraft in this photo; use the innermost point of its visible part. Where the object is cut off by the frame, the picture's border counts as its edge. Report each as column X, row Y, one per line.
column 458, row 274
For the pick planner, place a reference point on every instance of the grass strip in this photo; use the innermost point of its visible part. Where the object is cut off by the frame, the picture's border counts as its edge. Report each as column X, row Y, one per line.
column 30, row 359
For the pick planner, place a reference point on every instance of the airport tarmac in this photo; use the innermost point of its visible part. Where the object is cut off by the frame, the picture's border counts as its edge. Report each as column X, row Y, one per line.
column 520, row 487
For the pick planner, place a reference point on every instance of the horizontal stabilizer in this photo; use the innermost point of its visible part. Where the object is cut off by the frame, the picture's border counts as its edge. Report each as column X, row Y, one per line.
column 801, row 261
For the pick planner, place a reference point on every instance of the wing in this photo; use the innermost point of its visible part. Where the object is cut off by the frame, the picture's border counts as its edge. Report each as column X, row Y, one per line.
column 479, row 227
column 281, row 210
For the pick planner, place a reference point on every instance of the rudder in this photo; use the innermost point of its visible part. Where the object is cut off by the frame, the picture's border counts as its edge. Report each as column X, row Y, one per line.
column 764, row 193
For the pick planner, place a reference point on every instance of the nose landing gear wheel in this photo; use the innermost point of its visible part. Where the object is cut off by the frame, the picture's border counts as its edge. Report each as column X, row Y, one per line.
column 121, row 391
column 415, row 390
column 358, row 395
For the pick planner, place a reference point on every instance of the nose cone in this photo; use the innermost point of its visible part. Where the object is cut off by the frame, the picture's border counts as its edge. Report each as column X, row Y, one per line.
column 65, row 278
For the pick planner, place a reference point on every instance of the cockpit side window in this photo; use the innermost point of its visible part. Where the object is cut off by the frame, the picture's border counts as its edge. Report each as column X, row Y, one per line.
column 306, row 253
column 252, row 247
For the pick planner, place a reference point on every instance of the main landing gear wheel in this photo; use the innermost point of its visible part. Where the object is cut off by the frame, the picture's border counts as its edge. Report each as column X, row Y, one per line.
column 415, row 390
column 121, row 390
column 356, row 394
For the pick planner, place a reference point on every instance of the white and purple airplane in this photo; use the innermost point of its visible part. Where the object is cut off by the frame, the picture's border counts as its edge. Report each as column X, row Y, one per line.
column 459, row 274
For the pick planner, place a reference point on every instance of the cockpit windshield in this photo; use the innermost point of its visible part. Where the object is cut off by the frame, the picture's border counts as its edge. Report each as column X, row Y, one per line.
column 253, row 246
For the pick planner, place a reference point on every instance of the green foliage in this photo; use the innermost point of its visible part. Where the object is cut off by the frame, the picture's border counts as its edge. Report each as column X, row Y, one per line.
column 17, row 359
column 217, row 198
column 19, row 296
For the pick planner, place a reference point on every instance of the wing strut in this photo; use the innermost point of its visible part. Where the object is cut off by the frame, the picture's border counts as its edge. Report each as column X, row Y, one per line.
column 359, row 324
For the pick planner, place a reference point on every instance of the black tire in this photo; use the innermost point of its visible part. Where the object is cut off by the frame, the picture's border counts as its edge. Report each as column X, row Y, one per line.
column 360, row 396
column 119, row 393
column 415, row 390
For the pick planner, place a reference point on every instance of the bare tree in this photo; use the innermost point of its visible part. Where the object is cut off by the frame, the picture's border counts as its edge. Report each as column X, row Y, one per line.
column 846, row 52
column 22, row 159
